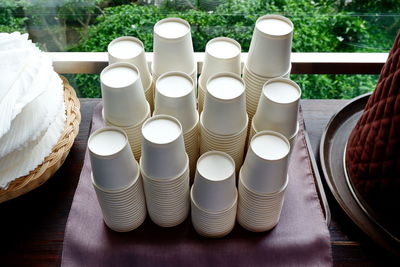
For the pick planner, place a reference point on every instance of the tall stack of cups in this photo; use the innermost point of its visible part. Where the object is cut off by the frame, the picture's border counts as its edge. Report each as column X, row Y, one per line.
column 269, row 56
column 222, row 55
column 165, row 170
column 214, row 195
column 131, row 50
column 278, row 108
column 116, row 179
column 124, row 102
column 263, row 180
column 173, row 48
column 175, row 96
column 224, row 121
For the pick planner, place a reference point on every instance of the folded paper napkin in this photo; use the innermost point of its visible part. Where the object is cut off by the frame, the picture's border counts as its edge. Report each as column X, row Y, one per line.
column 301, row 238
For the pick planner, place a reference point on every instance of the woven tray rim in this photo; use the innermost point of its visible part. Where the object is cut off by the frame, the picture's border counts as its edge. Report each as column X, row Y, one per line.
column 59, row 152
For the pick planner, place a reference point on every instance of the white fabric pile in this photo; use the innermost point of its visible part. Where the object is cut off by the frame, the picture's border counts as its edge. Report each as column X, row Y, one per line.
column 32, row 111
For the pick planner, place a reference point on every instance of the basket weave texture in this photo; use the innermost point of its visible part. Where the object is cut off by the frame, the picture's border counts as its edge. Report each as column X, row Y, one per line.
column 58, row 155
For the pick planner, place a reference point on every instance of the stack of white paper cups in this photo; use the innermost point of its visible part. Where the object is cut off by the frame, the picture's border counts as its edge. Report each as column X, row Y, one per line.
column 263, row 180
column 222, row 55
column 175, row 96
column 131, row 50
column 165, row 170
column 214, row 195
column 116, row 179
column 278, row 108
column 269, row 56
column 124, row 102
column 173, row 48
column 223, row 122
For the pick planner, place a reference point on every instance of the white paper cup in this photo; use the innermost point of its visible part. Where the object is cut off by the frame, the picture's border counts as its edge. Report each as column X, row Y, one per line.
column 271, row 45
column 214, row 182
column 124, row 101
column 172, row 46
column 265, row 167
column 278, row 107
column 167, row 200
column 175, row 96
column 112, row 161
column 222, row 55
column 225, row 104
column 214, row 225
column 123, row 210
column 163, row 149
column 130, row 50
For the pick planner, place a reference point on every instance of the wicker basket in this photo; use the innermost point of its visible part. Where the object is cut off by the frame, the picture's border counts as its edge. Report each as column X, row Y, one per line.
column 57, row 157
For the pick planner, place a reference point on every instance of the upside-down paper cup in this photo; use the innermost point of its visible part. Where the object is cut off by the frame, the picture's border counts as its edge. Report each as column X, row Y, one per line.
column 173, row 47
column 175, row 96
column 163, row 149
column 111, row 158
column 271, row 45
column 124, row 101
column 278, row 107
column 214, row 183
column 265, row 167
column 225, row 104
column 222, row 54
column 130, row 50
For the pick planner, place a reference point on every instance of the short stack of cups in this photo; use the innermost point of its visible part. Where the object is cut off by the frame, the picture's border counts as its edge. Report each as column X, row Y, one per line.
column 224, row 121
column 175, row 96
column 116, row 179
column 214, row 195
column 222, row 55
column 263, row 181
column 165, row 170
column 124, row 102
column 131, row 50
column 269, row 56
column 173, row 48
column 278, row 109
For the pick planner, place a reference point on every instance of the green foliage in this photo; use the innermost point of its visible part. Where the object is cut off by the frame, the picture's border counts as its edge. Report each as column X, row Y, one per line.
column 316, row 30
column 9, row 18
column 320, row 26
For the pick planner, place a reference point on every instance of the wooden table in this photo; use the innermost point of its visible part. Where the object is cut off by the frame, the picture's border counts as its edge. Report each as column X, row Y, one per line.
column 32, row 226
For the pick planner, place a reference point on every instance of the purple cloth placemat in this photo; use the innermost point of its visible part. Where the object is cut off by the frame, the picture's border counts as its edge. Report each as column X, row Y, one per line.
column 301, row 238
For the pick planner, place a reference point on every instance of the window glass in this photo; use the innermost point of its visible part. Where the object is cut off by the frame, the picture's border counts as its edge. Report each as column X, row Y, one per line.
column 320, row 26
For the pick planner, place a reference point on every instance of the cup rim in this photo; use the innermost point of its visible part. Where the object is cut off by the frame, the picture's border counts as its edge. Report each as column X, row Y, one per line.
column 252, row 73
column 103, row 129
column 274, row 16
column 226, row 39
column 126, row 37
column 289, row 139
column 176, row 19
column 174, row 73
column 162, row 116
column 169, row 179
column 131, row 127
column 210, row 211
column 283, row 80
column 116, row 190
column 260, row 194
column 222, row 74
column 218, row 153
column 201, row 125
column 269, row 132
column 120, row 64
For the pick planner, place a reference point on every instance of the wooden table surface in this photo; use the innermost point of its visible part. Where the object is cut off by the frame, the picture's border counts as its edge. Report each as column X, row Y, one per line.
column 32, row 226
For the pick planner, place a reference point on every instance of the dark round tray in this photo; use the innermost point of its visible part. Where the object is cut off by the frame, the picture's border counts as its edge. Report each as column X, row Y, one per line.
column 332, row 148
